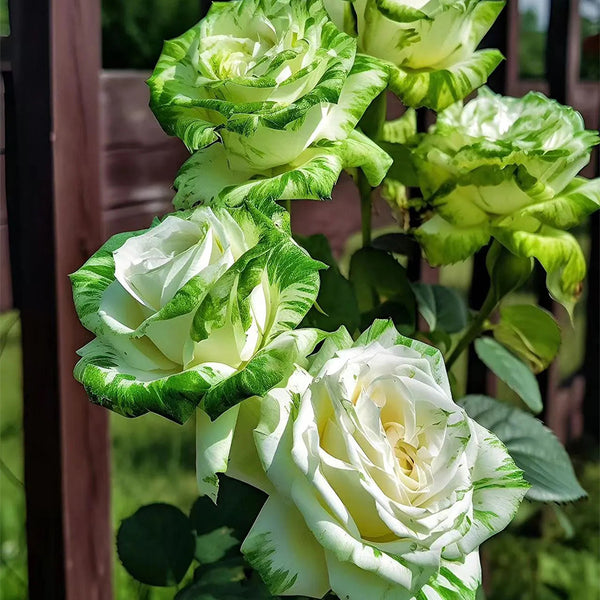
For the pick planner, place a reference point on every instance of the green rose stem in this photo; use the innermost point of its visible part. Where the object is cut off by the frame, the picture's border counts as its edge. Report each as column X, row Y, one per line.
column 476, row 327
column 372, row 126
column 365, row 191
column 507, row 273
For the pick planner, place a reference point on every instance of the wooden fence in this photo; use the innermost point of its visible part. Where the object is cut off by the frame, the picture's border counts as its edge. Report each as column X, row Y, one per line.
column 85, row 159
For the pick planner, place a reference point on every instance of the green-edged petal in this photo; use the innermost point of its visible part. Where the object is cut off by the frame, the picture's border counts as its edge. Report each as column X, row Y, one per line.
column 438, row 89
column 250, row 67
column 444, row 243
column 385, row 333
column 225, row 445
column 498, row 489
column 285, row 553
column 270, row 366
column 338, row 340
column 367, row 79
column 558, row 252
column 163, row 352
column 112, row 383
column 341, row 13
column 213, row 445
column 207, row 177
column 244, row 463
column 578, row 200
column 458, row 579
column 353, row 583
column 402, row 129
column 171, row 95
column 358, row 151
column 93, row 278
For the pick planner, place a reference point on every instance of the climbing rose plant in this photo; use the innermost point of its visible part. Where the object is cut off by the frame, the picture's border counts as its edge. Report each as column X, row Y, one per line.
column 336, row 451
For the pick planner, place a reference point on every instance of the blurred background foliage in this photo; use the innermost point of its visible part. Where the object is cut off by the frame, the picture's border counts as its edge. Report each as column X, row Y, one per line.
column 133, row 31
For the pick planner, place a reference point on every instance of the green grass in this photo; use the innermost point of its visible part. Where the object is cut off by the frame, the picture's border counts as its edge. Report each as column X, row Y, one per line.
column 13, row 547
column 4, row 24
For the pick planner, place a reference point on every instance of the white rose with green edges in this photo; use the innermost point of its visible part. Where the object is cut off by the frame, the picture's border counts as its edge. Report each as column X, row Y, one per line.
column 429, row 43
column 506, row 168
column 198, row 307
column 269, row 93
column 380, row 486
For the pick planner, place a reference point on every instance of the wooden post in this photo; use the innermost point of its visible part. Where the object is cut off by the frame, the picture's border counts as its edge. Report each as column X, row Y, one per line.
column 56, row 64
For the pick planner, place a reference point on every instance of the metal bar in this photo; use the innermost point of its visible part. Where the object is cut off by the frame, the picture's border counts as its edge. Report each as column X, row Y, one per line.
column 57, row 208
column 557, row 46
column 33, row 211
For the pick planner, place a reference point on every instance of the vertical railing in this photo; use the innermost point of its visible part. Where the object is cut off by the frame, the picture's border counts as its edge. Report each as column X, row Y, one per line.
column 56, row 213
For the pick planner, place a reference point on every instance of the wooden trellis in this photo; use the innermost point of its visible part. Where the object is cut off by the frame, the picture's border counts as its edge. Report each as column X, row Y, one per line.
column 85, row 159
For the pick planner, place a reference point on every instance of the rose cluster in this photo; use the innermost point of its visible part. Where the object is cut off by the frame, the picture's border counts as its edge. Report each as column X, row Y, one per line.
column 379, row 485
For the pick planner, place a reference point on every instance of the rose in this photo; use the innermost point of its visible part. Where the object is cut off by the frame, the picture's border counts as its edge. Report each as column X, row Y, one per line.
column 198, row 307
column 279, row 89
column 505, row 168
column 430, row 43
column 381, row 486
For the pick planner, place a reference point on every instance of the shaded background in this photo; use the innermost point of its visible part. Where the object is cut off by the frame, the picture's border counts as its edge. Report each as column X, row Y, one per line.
column 546, row 554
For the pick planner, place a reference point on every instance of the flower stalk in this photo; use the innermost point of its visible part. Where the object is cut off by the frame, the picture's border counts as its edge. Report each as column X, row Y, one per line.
column 477, row 326
column 371, row 124
column 366, row 208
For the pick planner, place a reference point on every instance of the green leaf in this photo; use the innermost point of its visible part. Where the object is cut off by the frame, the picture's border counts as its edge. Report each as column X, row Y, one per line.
column 533, row 447
column 225, row 584
column 530, row 332
column 212, row 547
column 443, row 308
column 397, row 139
column 511, row 370
column 318, row 247
column 402, row 170
column 382, row 287
column 401, row 314
column 206, row 516
column 156, row 544
column 440, row 339
column 508, row 272
column 396, row 243
column 337, row 304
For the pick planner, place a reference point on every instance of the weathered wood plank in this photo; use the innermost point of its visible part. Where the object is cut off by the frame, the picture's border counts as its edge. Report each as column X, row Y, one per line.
column 56, row 208
column 134, row 176
column 126, row 118
column 75, row 46
column 134, row 217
